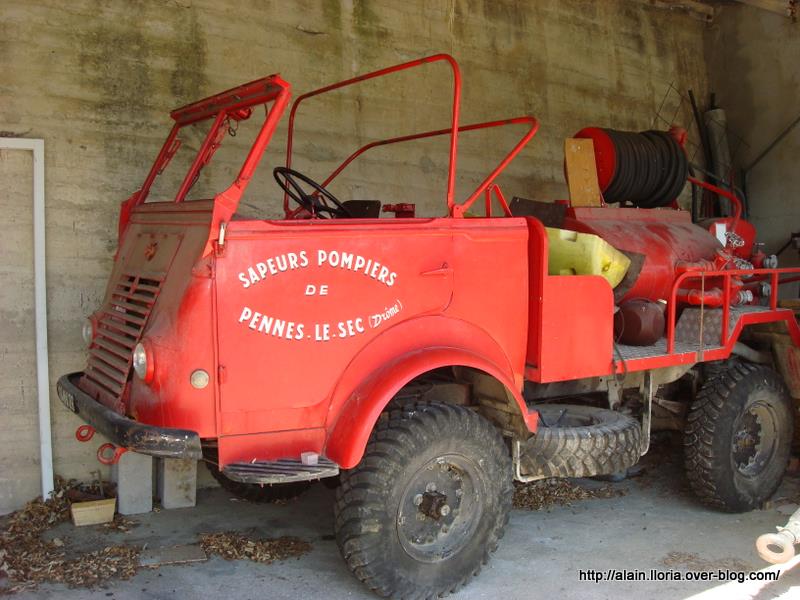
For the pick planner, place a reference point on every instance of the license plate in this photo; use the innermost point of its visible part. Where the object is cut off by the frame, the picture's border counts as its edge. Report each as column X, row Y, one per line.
column 67, row 398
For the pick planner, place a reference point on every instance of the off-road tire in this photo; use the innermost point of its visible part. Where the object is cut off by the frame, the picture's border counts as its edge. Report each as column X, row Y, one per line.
column 253, row 492
column 581, row 441
column 371, row 500
column 714, row 368
column 712, row 424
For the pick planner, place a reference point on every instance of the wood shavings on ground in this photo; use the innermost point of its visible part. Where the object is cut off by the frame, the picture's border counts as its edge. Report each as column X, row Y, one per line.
column 232, row 545
column 27, row 560
column 543, row 494
column 693, row 562
column 120, row 523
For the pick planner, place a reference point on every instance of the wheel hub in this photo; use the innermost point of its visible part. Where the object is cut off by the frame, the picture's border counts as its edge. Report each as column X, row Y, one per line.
column 433, row 505
column 747, row 440
column 440, row 509
column 754, row 439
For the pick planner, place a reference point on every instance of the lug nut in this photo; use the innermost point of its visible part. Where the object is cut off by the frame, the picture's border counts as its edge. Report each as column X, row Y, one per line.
column 431, row 487
column 444, row 510
column 417, row 499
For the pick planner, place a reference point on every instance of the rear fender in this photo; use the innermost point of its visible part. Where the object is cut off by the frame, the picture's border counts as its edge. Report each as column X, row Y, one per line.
column 354, row 413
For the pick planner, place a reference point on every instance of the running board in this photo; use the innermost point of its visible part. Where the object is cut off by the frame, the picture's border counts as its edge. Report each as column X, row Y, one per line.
column 285, row 470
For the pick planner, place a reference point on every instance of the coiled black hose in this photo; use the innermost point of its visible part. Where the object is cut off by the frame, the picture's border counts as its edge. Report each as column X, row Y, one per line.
column 651, row 168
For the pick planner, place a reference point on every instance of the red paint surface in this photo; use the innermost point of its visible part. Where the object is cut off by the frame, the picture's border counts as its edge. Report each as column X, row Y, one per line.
column 414, row 295
column 664, row 236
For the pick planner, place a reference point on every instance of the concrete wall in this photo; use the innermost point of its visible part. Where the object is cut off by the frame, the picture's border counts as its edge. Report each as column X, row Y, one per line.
column 96, row 79
column 755, row 72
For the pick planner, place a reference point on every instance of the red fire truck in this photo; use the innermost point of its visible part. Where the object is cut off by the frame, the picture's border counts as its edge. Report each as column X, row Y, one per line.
column 424, row 364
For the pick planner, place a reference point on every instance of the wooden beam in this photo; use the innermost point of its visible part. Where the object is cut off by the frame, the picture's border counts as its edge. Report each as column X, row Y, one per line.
column 694, row 8
column 581, row 172
column 787, row 8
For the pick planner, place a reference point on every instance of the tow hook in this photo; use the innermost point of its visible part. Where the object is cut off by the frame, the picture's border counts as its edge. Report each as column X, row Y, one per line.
column 103, row 456
column 84, row 433
column 778, row 547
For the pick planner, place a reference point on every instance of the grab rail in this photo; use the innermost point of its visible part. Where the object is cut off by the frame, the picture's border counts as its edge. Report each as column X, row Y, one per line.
column 486, row 186
column 451, row 178
column 704, row 276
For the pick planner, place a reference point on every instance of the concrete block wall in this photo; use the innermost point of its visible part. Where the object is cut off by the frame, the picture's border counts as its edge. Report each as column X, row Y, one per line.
column 760, row 49
column 96, row 81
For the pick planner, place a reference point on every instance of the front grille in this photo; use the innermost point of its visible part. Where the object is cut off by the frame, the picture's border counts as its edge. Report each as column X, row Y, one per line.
column 119, row 328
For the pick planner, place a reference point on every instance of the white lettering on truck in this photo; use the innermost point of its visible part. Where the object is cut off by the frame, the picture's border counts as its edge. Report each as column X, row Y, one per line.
column 273, row 266
column 321, row 331
column 271, row 326
column 335, row 259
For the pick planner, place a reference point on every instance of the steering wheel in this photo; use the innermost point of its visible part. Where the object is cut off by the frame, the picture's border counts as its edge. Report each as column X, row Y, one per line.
column 314, row 202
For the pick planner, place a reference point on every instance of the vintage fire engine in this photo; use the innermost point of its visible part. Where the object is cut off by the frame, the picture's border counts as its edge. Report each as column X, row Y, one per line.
column 424, row 364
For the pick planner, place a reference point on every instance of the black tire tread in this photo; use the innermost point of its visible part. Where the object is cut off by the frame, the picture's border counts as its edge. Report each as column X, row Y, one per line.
column 704, row 466
column 359, row 508
column 610, row 446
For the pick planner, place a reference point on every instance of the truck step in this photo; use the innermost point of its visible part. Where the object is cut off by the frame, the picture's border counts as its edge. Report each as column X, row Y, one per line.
column 285, row 470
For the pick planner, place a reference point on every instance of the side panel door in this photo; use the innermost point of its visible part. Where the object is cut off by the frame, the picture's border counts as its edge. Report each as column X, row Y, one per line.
column 295, row 304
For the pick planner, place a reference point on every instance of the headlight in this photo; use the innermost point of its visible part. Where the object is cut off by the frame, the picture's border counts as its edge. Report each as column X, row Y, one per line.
column 199, row 379
column 142, row 365
column 87, row 331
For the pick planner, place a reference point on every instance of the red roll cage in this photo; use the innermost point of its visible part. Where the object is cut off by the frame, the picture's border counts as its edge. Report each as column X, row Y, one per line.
column 238, row 103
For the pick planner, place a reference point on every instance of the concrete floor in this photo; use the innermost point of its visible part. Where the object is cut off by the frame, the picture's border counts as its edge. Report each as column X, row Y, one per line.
column 538, row 558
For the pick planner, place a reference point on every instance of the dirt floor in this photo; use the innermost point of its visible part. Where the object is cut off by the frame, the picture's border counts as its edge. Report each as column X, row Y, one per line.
column 646, row 523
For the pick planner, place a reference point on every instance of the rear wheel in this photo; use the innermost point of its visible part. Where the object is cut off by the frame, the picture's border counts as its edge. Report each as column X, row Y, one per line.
column 738, row 437
column 252, row 492
column 428, row 503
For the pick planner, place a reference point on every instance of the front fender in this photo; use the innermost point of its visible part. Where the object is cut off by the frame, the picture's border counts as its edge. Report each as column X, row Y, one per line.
column 419, row 346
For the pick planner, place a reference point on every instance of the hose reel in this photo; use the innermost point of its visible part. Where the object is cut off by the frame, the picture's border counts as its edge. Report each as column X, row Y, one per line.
column 647, row 169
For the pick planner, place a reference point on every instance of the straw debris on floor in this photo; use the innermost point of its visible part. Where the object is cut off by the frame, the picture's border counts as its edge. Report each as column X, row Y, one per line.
column 27, row 560
column 693, row 562
column 232, row 545
column 543, row 494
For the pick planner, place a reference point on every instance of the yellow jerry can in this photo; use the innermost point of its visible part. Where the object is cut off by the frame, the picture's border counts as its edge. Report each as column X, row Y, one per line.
column 573, row 253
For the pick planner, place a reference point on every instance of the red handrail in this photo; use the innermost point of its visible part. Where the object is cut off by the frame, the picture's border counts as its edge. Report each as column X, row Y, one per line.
column 456, row 209
column 235, row 103
column 737, row 204
column 726, row 276
column 500, row 198
column 451, row 178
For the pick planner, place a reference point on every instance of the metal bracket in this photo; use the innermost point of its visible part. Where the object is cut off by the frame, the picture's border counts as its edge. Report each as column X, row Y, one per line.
column 220, row 245
column 648, row 390
column 515, row 459
column 614, row 392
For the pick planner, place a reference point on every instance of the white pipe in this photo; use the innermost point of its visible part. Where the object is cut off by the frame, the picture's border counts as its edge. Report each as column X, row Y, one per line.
column 40, row 305
column 756, row 356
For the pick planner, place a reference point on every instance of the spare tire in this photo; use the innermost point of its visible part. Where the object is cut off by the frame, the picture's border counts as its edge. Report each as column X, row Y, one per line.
column 580, row 441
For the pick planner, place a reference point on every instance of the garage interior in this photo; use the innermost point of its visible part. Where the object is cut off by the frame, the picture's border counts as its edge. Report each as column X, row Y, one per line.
column 85, row 98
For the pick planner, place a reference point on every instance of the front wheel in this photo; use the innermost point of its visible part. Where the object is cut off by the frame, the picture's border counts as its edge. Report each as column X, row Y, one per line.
column 738, row 437
column 428, row 502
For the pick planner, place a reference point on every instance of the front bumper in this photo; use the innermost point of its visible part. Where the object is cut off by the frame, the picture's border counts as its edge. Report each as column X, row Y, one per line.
column 125, row 432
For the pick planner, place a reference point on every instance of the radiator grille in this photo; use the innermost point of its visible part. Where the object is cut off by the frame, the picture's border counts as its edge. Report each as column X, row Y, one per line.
column 119, row 328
